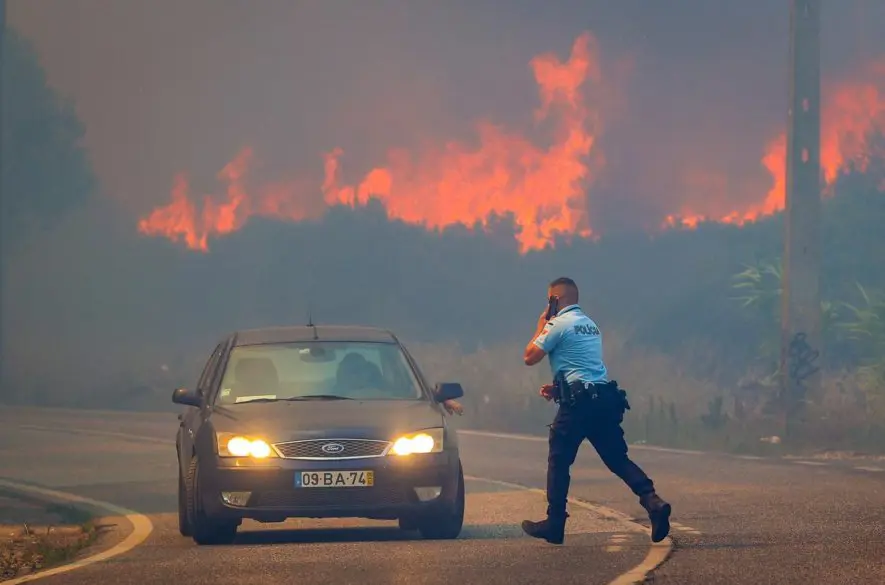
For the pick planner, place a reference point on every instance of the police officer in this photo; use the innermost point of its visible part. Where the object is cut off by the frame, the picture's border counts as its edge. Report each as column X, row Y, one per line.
column 590, row 407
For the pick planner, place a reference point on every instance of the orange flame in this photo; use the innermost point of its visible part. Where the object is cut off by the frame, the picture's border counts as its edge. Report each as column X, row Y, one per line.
column 504, row 173
column 180, row 222
column 852, row 111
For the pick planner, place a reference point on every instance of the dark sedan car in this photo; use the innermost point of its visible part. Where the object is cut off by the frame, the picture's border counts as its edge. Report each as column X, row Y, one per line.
column 320, row 422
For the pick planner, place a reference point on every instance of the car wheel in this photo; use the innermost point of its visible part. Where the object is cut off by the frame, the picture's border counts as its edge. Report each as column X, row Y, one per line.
column 184, row 521
column 446, row 525
column 205, row 530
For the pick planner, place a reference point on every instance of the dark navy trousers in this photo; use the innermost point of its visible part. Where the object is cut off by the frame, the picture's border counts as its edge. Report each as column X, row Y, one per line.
column 571, row 426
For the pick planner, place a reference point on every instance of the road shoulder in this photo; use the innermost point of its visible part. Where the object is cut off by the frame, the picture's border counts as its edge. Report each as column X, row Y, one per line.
column 36, row 534
column 50, row 532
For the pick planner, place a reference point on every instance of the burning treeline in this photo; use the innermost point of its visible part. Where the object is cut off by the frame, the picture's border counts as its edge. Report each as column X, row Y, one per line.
column 543, row 188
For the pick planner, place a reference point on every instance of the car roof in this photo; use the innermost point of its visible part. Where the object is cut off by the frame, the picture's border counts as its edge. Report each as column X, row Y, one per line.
column 296, row 333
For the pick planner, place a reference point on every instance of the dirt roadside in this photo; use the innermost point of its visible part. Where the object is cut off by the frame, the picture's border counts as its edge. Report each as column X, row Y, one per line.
column 36, row 534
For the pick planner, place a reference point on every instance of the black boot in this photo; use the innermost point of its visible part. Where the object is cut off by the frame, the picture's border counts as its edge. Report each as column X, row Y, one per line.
column 658, row 514
column 551, row 529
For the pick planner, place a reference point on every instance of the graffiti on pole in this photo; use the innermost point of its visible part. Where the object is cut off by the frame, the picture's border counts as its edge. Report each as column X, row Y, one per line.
column 801, row 360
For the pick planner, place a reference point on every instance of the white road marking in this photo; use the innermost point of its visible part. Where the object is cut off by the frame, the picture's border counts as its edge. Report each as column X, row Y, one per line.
column 669, row 450
column 503, row 435
column 129, row 436
column 616, row 541
column 657, row 552
column 520, row 437
column 141, row 529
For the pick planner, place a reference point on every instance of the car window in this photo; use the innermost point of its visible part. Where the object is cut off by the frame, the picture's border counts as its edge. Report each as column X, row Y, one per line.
column 357, row 370
column 416, row 368
column 214, row 375
column 208, row 369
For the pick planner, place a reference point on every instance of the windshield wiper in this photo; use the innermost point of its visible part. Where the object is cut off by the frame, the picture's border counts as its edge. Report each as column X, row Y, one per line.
column 252, row 400
column 318, row 397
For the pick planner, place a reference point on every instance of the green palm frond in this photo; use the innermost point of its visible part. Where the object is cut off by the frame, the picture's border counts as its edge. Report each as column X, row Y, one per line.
column 750, row 273
column 864, row 324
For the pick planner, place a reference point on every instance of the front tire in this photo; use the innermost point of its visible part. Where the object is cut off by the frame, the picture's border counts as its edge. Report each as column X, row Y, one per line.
column 447, row 524
column 205, row 530
column 184, row 522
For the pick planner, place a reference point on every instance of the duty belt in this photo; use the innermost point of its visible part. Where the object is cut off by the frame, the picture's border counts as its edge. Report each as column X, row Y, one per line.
column 588, row 390
column 570, row 392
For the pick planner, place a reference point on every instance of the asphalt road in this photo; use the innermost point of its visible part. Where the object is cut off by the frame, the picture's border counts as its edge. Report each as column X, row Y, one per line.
column 735, row 520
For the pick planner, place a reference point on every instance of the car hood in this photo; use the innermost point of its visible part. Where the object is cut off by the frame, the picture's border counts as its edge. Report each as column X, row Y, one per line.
column 321, row 419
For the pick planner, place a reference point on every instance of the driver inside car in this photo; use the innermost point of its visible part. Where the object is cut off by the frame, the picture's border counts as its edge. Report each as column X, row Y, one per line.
column 355, row 372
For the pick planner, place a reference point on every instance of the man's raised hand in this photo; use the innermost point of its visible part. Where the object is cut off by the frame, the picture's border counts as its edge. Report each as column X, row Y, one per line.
column 453, row 407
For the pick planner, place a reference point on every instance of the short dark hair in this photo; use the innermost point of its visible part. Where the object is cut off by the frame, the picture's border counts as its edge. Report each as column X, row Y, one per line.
column 566, row 282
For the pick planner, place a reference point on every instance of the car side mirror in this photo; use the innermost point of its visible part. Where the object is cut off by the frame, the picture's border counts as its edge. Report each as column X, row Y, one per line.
column 186, row 397
column 447, row 391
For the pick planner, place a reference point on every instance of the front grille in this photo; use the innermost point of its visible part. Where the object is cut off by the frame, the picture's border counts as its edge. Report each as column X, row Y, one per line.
column 335, row 448
column 351, row 497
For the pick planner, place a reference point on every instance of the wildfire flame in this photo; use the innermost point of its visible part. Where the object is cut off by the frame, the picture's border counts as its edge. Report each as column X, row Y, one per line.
column 180, row 221
column 852, row 112
column 504, row 173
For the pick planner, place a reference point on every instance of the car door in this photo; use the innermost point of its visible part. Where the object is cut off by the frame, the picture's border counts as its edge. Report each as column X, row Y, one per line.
column 193, row 417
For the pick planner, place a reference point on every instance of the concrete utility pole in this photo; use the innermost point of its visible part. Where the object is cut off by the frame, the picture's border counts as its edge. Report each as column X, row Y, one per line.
column 2, row 211
column 801, row 309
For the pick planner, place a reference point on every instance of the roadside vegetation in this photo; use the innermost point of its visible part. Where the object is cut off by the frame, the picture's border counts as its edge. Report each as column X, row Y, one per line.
column 717, row 387
column 36, row 536
column 669, row 406
column 697, row 351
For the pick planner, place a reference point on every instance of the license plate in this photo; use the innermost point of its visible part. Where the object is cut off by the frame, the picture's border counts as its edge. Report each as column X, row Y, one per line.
column 310, row 479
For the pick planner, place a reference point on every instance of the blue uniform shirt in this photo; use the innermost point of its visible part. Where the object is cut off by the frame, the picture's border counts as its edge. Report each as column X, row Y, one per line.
column 573, row 344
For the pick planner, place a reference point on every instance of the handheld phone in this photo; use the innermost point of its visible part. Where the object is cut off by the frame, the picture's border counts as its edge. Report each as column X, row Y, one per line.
column 552, row 307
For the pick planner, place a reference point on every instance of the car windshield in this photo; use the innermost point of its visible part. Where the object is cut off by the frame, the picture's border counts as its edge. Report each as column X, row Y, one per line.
column 317, row 370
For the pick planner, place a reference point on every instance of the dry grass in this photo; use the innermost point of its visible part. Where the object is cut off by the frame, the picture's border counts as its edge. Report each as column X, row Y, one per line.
column 34, row 535
column 26, row 549
column 669, row 406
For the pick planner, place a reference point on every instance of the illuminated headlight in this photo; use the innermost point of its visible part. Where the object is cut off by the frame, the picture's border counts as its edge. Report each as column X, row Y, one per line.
column 426, row 441
column 234, row 445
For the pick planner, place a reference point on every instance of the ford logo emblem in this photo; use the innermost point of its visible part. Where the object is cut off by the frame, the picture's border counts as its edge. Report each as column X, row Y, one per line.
column 333, row 448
